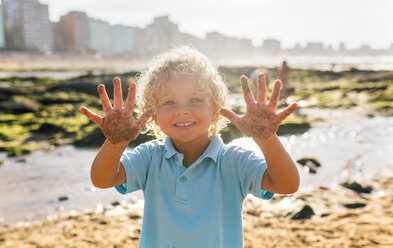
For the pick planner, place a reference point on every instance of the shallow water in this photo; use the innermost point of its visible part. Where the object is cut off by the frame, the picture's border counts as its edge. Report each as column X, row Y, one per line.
column 352, row 149
column 30, row 186
column 43, row 74
column 58, row 74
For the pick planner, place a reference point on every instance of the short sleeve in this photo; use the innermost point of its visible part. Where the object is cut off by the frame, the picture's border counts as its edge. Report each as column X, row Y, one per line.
column 251, row 169
column 136, row 165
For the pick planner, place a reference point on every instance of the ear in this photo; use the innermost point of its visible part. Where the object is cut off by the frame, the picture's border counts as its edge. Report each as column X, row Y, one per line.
column 155, row 118
column 216, row 114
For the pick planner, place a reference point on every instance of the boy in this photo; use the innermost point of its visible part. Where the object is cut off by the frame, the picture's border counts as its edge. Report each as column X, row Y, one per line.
column 193, row 184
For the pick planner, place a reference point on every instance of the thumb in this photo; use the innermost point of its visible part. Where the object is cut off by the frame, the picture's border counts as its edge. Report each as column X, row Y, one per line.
column 145, row 116
column 230, row 115
column 91, row 115
column 287, row 111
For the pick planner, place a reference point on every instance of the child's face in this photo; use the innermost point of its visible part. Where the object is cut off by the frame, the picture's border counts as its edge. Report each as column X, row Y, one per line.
column 184, row 113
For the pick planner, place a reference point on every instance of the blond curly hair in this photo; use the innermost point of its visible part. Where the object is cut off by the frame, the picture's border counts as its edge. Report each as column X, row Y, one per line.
column 178, row 61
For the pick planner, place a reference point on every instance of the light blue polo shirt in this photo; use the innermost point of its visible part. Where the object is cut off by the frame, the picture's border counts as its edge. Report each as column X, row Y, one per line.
column 198, row 206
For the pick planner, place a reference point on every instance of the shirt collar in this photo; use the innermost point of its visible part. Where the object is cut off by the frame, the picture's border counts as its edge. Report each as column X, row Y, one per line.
column 211, row 151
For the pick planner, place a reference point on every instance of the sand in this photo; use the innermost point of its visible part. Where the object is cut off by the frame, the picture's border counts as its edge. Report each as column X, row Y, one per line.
column 266, row 223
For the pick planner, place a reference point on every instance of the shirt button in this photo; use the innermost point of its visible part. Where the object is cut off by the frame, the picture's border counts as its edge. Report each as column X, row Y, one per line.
column 183, row 179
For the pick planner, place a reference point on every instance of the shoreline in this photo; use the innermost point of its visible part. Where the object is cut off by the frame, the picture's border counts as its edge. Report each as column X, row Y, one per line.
column 265, row 223
column 336, row 167
column 26, row 61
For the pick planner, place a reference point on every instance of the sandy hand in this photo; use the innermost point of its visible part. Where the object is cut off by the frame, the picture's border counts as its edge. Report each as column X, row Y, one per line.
column 260, row 120
column 118, row 124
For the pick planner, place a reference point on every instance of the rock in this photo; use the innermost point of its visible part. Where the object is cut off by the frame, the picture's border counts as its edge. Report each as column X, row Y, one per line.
column 50, row 128
column 7, row 93
column 115, row 203
column 293, row 128
column 311, row 167
column 355, row 205
column 303, row 161
column 93, row 139
column 89, row 88
column 63, row 198
column 305, row 213
column 357, row 187
column 311, row 164
column 135, row 217
column 85, row 87
column 18, row 150
column 17, row 107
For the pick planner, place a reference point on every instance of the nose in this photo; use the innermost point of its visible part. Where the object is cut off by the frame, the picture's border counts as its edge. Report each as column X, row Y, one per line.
column 183, row 110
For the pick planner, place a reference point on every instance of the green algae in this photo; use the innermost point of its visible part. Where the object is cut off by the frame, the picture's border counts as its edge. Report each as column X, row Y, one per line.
column 49, row 113
column 293, row 124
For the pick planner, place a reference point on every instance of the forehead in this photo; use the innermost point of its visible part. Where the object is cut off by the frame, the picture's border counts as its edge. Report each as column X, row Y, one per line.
column 182, row 83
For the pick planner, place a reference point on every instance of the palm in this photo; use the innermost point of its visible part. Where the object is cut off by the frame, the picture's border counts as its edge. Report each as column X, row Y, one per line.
column 260, row 120
column 118, row 124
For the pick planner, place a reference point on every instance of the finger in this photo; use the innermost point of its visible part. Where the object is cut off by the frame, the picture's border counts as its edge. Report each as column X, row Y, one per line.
column 261, row 88
column 91, row 115
column 145, row 117
column 275, row 97
column 248, row 96
column 287, row 111
column 117, row 93
column 230, row 115
column 106, row 104
column 129, row 105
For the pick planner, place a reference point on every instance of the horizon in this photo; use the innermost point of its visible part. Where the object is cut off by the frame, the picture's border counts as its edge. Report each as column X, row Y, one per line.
column 356, row 22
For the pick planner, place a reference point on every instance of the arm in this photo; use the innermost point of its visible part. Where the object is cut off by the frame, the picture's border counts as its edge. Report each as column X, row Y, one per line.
column 261, row 123
column 281, row 176
column 119, row 127
column 106, row 170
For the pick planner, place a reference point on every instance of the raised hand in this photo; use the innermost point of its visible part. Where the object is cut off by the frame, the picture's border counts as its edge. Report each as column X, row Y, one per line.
column 118, row 124
column 260, row 120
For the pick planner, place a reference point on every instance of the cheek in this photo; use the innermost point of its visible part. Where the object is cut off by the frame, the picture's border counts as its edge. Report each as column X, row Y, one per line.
column 161, row 116
column 206, row 112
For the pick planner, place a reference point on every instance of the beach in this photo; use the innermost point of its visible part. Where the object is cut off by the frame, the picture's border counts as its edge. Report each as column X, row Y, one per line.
column 342, row 218
column 344, row 121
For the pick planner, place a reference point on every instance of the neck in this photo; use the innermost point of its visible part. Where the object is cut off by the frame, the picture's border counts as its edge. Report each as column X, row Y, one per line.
column 191, row 150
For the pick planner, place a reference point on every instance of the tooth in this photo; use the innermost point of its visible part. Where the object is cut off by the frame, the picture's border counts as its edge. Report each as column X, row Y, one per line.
column 184, row 124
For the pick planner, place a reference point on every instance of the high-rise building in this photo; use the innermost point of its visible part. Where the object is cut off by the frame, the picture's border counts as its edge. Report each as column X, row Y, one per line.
column 72, row 32
column 314, row 48
column 122, row 39
column 271, row 46
column 342, row 48
column 2, row 40
column 161, row 35
column 100, row 36
column 216, row 45
column 27, row 25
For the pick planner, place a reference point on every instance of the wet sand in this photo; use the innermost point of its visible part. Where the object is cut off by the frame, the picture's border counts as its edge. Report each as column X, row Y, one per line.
column 266, row 223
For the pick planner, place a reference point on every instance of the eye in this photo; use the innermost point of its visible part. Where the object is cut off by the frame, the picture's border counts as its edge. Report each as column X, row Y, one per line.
column 170, row 102
column 195, row 100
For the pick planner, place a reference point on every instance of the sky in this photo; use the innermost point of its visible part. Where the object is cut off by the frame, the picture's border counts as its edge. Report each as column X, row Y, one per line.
column 355, row 22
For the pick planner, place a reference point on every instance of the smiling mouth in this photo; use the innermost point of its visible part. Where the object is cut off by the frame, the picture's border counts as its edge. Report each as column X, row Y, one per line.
column 186, row 124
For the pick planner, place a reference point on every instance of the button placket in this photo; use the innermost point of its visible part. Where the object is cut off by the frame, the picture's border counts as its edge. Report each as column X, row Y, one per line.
column 182, row 189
